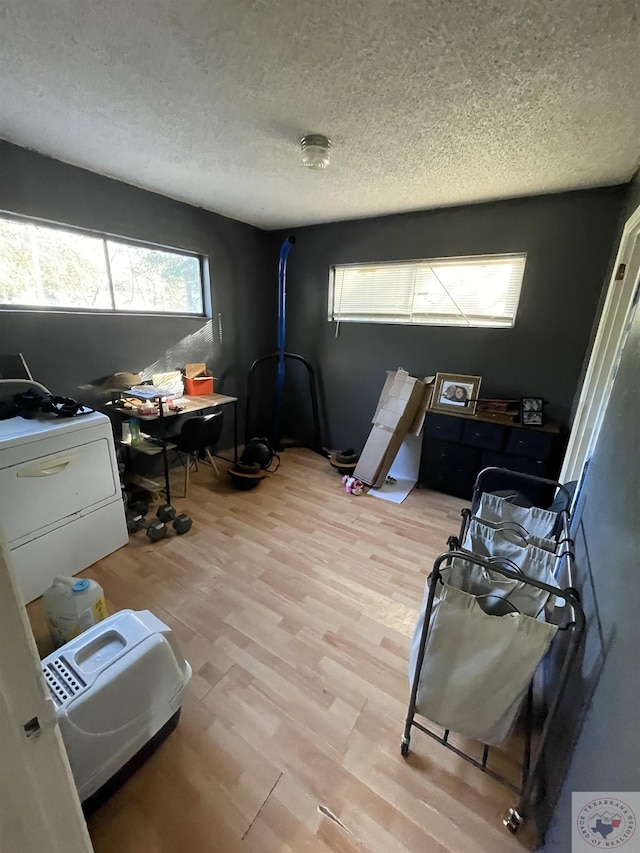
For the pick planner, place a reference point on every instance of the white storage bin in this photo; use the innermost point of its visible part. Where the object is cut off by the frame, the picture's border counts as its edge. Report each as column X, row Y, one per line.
column 117, row 687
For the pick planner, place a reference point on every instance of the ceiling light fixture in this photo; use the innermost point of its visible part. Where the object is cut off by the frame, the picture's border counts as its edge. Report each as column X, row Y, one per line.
column 315, row 150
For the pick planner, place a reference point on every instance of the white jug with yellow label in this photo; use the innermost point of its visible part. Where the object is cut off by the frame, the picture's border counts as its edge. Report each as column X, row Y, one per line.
column 72, row 605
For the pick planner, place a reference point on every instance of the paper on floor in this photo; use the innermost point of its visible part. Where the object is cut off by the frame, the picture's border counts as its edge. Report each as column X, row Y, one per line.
column 404, row 470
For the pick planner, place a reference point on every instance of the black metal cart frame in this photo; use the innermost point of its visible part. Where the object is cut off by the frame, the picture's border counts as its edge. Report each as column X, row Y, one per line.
column 565, row 554
column 575, row 626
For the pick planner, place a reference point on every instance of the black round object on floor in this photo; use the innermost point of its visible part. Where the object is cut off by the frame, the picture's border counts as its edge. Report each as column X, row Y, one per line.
column 246, row 467
column 341, row 468
column 258, row 450
column 347, row 457
column 344, row 461
column 244, row 482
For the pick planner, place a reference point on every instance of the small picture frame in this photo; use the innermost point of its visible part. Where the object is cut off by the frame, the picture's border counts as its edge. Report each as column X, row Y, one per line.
column 455, row 393
column 531, row 411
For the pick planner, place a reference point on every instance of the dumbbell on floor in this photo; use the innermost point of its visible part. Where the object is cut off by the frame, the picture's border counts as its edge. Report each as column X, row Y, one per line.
column 155, row 530
column 166, row 512
column 181, row 522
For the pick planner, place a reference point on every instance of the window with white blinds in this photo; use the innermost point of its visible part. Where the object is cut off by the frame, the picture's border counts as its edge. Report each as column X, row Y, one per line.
column 482, row 290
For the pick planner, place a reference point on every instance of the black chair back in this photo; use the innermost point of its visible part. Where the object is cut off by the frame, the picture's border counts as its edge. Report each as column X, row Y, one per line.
column 200, row 432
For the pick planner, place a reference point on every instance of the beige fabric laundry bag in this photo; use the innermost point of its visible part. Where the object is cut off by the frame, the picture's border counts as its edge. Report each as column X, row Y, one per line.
column 477, row 667
column 538, row 524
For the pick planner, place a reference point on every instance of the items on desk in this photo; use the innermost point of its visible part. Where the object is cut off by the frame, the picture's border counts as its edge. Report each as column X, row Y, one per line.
column 148, row 406
column 148, row 392
column 171, row 382
column 198, row 380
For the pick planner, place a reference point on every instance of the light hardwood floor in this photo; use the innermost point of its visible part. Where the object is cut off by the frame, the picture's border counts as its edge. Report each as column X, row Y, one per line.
column 294, row 603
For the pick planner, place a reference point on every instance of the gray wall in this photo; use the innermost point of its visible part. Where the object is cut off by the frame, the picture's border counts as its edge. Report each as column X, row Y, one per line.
column 72, row 353
column 632, row 199
column 607, row 753
column 568, row 241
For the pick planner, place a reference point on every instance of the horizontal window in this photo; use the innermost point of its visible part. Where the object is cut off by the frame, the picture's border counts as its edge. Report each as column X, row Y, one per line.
column 476, row 291
column 44, row 266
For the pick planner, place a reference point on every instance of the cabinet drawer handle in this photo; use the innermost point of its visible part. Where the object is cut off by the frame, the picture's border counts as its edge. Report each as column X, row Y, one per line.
column 46, row 470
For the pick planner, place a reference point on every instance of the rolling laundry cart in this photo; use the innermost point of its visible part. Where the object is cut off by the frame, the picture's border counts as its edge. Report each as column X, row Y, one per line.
column 492, row 609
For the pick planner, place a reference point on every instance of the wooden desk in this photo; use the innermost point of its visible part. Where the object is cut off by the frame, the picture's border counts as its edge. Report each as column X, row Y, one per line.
column 193, row 404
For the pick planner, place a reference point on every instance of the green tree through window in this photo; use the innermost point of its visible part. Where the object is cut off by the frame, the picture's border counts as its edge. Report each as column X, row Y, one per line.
column 43, row 266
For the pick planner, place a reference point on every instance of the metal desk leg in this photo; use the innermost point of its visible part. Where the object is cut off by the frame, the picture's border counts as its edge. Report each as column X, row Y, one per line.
column 235, row 432
column 165, row 458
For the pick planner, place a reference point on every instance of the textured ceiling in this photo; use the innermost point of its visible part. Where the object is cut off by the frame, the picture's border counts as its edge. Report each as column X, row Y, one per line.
column 428, row 102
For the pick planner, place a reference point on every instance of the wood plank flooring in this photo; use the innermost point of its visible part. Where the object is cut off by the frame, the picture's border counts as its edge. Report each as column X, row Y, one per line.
column 294, row 603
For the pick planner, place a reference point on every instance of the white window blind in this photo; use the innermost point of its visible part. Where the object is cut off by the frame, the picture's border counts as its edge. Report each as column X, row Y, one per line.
column 483, row 290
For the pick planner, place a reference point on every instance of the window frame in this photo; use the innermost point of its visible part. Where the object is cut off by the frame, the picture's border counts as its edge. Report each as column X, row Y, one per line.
column 333, row 318
column 106, row 236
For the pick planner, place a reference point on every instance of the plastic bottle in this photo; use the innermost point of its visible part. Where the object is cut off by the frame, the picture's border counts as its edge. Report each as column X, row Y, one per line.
column 73, row 605
column 134, row 428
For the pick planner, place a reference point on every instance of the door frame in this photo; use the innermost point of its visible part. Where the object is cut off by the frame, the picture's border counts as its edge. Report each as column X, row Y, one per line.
column 39, row 805
column 605, row 355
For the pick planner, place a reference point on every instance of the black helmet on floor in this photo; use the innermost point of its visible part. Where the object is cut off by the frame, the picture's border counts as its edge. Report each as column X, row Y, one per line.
column 260, row 451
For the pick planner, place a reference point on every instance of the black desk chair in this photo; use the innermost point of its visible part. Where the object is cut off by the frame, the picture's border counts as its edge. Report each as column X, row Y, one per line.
column 195, row 440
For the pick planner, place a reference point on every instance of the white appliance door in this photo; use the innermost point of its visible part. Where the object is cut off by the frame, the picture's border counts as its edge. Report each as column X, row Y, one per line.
column 40, row 809
column 52, row 487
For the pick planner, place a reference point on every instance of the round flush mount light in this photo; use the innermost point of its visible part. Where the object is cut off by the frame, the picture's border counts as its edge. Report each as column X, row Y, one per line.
column 315, row 150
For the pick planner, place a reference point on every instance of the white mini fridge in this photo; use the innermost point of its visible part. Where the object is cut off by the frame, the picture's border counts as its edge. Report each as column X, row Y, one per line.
column 118, row 691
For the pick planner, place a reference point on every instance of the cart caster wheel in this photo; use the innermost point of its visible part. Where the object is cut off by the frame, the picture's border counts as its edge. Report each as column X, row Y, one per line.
column 513, row 821
column 575, row 592
column 404, row 749
column 452, row 543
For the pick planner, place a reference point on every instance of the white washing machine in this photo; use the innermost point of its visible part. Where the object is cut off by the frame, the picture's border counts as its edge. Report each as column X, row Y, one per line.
column 60, row 501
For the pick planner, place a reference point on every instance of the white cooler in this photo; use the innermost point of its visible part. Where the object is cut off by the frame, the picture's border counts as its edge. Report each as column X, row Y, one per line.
column 118, row 691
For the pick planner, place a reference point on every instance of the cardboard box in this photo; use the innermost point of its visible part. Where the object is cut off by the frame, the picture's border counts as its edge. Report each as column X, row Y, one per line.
column 400, row 411
column 198, row 380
